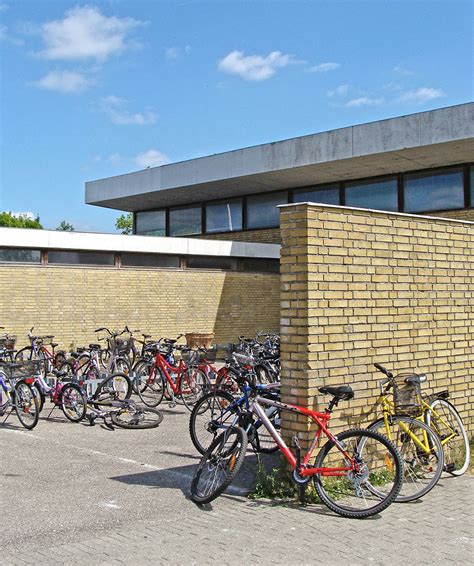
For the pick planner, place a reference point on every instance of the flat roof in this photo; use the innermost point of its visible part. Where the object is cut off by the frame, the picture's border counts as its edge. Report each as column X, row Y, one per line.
column 444, row 136
column 87, row 241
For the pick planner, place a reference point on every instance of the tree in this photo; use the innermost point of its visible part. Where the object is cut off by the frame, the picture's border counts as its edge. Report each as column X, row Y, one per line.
column 124, row 223
column 65, row 227
column 10, row 220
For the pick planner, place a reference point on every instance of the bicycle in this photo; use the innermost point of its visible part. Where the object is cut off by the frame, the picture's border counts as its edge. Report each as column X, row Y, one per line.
column 353, row 478
column 37, row 351
column 164, row 373
column 107, row 405
column 16, row 385
column 216, row 410
column 403, row 423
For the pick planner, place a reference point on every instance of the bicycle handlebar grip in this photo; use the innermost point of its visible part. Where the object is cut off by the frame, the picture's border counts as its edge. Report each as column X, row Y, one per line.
column 383, row 370
column 100, row 329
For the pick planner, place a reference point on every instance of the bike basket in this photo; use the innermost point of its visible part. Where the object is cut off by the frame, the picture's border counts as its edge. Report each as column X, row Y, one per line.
column 7, row 342
column 120, row 344
column 406, row 396
column 29, row 368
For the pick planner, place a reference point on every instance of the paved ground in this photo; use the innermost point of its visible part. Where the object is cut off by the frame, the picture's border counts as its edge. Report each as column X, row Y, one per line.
column 71, row 494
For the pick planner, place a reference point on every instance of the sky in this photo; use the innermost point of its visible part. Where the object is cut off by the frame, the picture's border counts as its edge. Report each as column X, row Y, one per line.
column 97, row 89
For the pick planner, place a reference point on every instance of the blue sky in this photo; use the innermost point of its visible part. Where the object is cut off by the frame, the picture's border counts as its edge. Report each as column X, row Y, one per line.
column 91, row 90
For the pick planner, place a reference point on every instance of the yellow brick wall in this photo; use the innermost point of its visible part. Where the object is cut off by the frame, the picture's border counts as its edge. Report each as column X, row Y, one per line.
column 71, row 302
column 270, row 236
column 465, row 214
column 359, row 287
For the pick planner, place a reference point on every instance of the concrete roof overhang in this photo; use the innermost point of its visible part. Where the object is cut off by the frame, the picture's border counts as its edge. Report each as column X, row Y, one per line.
column 428, row 139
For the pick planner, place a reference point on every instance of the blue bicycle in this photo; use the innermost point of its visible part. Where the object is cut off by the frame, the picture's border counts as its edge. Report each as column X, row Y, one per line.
column 16, row 392
column 219, row 410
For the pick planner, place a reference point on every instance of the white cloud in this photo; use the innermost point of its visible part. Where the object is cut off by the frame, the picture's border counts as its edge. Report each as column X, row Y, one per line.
column 323, row 67
column 29, row 215
column 115, row 108
column 65, row 82
column 401, row 70
column 422, row 94
column 175, row 52
column 151, row 158
column 363, row 101
column 340, row 90
column 254, row 67
column 85, row 33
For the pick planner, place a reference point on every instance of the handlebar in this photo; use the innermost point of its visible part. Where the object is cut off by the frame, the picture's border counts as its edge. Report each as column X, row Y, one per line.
column 380, row 367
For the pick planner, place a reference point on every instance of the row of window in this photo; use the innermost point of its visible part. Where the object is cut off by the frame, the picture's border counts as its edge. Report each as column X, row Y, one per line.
column 9, row 255
column 443, row 189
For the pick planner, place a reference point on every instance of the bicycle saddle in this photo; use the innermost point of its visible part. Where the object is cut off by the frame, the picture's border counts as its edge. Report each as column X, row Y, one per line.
column 94, row 346
column 416, row 379
column 342, row 392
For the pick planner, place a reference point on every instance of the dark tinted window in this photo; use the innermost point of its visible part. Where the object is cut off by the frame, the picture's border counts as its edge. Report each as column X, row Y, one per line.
column 378, row 194
column 151, row 223
column 472, row 185
column 324, row 195
column 185, row 221
column 224, row 216
column 27, row 256
column 81, row 258
column 258, row 264
column 150, row 260
column 204, row 262
column 262, row 211
column 441, row 190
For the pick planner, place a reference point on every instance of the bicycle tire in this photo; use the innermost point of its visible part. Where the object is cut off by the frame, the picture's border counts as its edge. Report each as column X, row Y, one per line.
column 115, row 387
column 389, row 470
column 73, row 402
column 192, row 385
column 216, row 458
column 140, row 368
column 137, row 421
column 39, row 395
column 121, row 365
column 456, row 460
column 416, row 482
column 204, row 411
column 24, row 395
column 24, row 354
column 152, row 388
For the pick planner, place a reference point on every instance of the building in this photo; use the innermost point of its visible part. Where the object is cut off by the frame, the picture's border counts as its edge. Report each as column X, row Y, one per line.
column 421, row 163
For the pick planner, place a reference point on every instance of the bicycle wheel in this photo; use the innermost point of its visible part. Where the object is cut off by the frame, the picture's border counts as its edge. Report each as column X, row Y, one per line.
column 26, row 353
column 39, row 395
column 140, row 371
column 368, row 490
column 219, row 465
column 26, row 405
column 73, row 402
column 136, row 417
column 150, row 386
column 193, row 384
column 421, row 453
column 446, row 422
column 68, row 369
column 121, row 365
column 116, row 387
column 209, row 417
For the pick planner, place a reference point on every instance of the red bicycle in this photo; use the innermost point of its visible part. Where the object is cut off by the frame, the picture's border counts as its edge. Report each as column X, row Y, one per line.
column 356, row 473
column 163, row 374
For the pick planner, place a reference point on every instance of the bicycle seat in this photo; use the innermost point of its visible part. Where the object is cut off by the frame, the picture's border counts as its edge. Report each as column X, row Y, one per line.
column 342, row 392
column 54, row 344
column 94, row 346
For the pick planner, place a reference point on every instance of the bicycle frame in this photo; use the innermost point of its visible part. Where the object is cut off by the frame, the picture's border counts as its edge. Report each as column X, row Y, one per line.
column 161, row 364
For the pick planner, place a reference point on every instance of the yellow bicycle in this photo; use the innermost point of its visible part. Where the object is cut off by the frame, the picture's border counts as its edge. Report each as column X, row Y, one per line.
column 403, row 422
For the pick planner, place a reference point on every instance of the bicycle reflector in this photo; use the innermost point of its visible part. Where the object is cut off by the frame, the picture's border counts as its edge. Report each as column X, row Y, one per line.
column 30, row 380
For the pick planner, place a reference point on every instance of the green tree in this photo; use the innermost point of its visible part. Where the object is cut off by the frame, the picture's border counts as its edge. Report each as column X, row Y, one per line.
column 9, row 220
column 65, row 227
column 124, row 223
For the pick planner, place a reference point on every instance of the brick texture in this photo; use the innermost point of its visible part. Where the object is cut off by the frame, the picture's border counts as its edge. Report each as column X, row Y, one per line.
column 359, row 287
column 71, row 302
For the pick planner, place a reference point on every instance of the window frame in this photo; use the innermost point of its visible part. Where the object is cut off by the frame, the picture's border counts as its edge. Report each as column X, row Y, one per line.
column 184, row 207
column 373, row 180
column 273, row 227
column 206, row 203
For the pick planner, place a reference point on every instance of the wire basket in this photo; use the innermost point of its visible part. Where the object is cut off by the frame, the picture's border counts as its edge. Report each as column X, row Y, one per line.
column 406, row 396
column 195, row 357
column 30, row 368
column 7, row 342
column 120, row 345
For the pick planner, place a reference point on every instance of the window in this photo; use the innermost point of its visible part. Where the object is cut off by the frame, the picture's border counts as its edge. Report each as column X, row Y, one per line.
column 151, row 223
column 441, row 190
column 325, row 195
column 185, row 221
column 262, row 211
column 81, row 258
column 377, row 194
column 205, row 262
column 224, row 216
column 471, row 179
column 260, row 264
column 150, row 260
column 20, row 256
